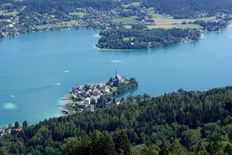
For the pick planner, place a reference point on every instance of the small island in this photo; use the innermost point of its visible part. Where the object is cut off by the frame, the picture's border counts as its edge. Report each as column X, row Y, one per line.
column 88, row 97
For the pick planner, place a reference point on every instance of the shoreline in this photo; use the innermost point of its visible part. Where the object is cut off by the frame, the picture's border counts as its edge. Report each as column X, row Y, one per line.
column 99, row 29
column 148, row 48
column 202, row 32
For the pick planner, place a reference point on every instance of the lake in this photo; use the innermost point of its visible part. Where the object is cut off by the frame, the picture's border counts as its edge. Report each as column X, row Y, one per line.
column 38, row 69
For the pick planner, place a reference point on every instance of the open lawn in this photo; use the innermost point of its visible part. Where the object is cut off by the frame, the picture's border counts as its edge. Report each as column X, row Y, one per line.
column 162, row 21
column 183, row 26
column 12, row 13
column 80, row 14
column 125, row 20
column 135, row 4
column 58, row 25
column 5, row 13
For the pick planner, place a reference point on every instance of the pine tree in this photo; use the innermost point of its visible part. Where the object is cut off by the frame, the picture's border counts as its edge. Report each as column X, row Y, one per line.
column 122, row 144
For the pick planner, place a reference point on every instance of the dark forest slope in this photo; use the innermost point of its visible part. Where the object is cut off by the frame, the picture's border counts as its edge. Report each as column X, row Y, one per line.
column 176, row 123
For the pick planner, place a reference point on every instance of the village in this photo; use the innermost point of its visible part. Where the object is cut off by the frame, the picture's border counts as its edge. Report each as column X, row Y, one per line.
column 18, row 21
column 92, row 96
column 5, row 131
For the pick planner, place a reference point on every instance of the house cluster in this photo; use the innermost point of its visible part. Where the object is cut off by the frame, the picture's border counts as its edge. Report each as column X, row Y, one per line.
column 22, row 22
column 87, row 96
column 7, row 131
column 9, row 26
column 4, row 131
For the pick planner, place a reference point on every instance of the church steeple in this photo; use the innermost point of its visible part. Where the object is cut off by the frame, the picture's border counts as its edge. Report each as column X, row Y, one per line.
column 116, row 73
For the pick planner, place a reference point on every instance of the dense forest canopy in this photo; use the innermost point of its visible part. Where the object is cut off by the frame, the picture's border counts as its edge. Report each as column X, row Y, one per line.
column 176, row 8
column 144, row 38
column 176, row 123
column 18, row 17
column 44, row 6
column 190, row 8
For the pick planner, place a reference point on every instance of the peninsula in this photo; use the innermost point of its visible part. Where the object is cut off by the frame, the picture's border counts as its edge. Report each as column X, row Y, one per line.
column 141, row 36
column 122, row 38
column 88, row 97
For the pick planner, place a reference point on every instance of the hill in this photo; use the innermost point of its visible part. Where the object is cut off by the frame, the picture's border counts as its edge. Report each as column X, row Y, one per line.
column 176, row 123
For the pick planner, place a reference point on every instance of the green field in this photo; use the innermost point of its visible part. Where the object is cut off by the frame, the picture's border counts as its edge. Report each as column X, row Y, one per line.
column 5, row 13
column 135, row 4
column 168, row 22
column 125, row 20
column 80, row 14
column 183, row 26
column 161, row 21
column 12, row 13
column 58, row 25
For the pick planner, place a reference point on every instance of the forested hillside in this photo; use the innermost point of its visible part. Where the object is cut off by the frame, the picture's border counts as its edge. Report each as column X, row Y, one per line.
column 176, row 123
column 176, row 8
column 190, row 8
column 18, row 17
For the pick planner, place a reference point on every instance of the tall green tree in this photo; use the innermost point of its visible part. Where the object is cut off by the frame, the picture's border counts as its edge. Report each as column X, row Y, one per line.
column 122, row 144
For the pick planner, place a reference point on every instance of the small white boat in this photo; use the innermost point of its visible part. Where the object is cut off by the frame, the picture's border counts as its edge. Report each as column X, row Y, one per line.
column 116, row 61
column 12, row 96
column 58, row 84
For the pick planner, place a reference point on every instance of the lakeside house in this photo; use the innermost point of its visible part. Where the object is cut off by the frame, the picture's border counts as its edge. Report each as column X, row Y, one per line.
column 2, row 131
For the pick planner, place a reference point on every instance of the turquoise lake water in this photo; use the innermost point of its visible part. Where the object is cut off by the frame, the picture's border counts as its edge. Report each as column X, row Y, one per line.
column 37, row 69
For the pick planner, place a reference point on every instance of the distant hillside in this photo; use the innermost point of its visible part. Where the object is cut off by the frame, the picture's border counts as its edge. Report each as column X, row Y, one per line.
column 22, row 16
column 176, row 8
column 190, row 8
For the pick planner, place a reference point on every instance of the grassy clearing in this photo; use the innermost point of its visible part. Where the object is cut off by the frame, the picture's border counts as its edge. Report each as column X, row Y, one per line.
column 42, row 27
column 127, row 26
column 80, row 14
column 72, row 22
column 12, row 13
column 182, row 26
column 23, row 8
column 125, row 20
column 162, row 21
column 58, row 25
column 168, row 20
column 114, row 89
column 135, row 4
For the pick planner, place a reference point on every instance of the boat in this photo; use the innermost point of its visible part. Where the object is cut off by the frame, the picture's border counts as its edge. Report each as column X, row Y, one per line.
column 58, row 84
column 12, row 96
